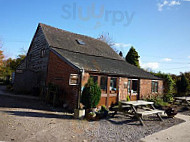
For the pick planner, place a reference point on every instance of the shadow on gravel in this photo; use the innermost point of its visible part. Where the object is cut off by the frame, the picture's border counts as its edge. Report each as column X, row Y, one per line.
column 18, row 102
column 38, row 114
column 128, row 122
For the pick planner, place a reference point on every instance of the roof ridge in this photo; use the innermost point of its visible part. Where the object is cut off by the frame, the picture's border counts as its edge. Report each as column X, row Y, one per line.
column 41, row 24
column 86, row 54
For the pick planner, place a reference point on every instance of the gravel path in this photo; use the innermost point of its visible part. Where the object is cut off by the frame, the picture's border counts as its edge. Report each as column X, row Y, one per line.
column 23, row 119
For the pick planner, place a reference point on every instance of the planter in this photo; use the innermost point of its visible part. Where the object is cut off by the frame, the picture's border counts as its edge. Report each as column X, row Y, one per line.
column 171, row 112
column 79, row 113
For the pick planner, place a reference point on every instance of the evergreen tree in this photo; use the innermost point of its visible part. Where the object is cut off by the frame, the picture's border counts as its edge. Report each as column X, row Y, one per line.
column 91, row 94
column 132, row 57
column 182, row 85
column 120, row 54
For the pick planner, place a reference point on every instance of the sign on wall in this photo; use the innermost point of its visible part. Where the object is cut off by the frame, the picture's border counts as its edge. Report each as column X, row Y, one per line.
column 74, row 79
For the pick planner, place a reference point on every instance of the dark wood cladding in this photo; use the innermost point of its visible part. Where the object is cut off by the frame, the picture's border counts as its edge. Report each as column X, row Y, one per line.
column 34, row 61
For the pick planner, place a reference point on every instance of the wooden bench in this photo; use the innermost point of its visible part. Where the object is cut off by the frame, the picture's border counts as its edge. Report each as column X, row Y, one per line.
column 118, row 108
column 144, row 113
column 150, row 112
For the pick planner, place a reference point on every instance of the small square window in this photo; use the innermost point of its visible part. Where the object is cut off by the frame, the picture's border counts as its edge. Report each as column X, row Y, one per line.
column 74, row 79
column 81, row 42
column 154, row 86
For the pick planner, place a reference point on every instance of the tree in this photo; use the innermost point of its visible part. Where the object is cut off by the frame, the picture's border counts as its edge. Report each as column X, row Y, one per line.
column 132, row 57
column 120, row 54
column 1, row 60
column 168, row 82
column 105, row 37
column 91, row 94
column 182, row 85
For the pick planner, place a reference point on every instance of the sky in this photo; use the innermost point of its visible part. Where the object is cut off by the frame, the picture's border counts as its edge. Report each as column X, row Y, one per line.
column 158, row 29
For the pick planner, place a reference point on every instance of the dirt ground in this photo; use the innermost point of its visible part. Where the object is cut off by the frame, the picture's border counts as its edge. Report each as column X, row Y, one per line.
column 26, row 119
column 31, row 120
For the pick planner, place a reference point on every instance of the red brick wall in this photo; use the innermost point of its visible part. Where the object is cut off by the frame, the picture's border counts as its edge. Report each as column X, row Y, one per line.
column 59, row 73
column 146, row 88
column 122, row 91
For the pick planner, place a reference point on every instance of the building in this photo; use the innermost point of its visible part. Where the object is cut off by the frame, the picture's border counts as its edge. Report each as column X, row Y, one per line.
column 69, row 60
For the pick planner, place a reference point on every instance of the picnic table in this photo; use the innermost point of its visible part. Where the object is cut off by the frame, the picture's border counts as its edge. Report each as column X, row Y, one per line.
column 147, row 108
column 185, row 100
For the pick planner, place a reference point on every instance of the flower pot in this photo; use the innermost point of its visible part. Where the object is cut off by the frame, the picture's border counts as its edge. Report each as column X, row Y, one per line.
column 171, row 112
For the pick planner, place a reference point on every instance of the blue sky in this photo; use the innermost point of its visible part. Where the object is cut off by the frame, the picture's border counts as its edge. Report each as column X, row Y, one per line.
column 158, row 29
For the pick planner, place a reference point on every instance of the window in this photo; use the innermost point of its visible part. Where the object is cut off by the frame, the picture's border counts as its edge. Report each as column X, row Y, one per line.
column 74, row 79
column 95, row 78
column 113, row 85
column 42, row 53
column 81, row 42
column 154, row 86
column 103, row 84
column 129, row 86
column 133, row 86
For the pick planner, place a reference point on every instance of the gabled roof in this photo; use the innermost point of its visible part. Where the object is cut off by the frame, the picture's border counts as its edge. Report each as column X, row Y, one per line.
column 104, row 65
column 70, row 41
column 91, row 55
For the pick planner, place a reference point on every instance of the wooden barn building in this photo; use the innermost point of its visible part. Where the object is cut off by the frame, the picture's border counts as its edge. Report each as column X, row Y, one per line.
column 69, row 60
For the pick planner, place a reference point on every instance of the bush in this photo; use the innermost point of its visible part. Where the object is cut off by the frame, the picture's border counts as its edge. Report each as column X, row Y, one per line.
column 158, row 101
column 128, row 98
column 91, row 94
column 168, row 98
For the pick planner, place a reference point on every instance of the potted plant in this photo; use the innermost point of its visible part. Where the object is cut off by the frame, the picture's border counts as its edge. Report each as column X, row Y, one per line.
column 171, row 112
column 90, row 96
column 102, row 113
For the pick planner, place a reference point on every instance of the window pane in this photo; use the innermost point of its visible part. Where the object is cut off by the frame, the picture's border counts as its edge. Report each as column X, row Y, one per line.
column 113, row 84
column 73, row 79
column 129, row 86
column 153, row 86
column 135, row 86
column 156, row 86
column 103, row 83
column 95, row 78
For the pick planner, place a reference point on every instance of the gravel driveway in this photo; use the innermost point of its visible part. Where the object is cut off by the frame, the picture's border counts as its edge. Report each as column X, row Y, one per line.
column 24, row 119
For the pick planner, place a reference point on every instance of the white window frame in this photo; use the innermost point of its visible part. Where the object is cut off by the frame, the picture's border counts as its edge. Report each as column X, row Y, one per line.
column 71, row 78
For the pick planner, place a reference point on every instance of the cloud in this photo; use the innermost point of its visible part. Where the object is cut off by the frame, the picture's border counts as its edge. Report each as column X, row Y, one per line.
column 167, row 59
column 187, row 0
column 121, row 45
column 150, row 65
column 168, row 3
column 188, row 57
column 173, row 3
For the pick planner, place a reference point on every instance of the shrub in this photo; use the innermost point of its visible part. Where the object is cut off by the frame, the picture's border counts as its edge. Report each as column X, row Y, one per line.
column 103, row 108
column 168, row 98
column 182, row 85
column 128, row 98
column 158, row 101
column 91, row 94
